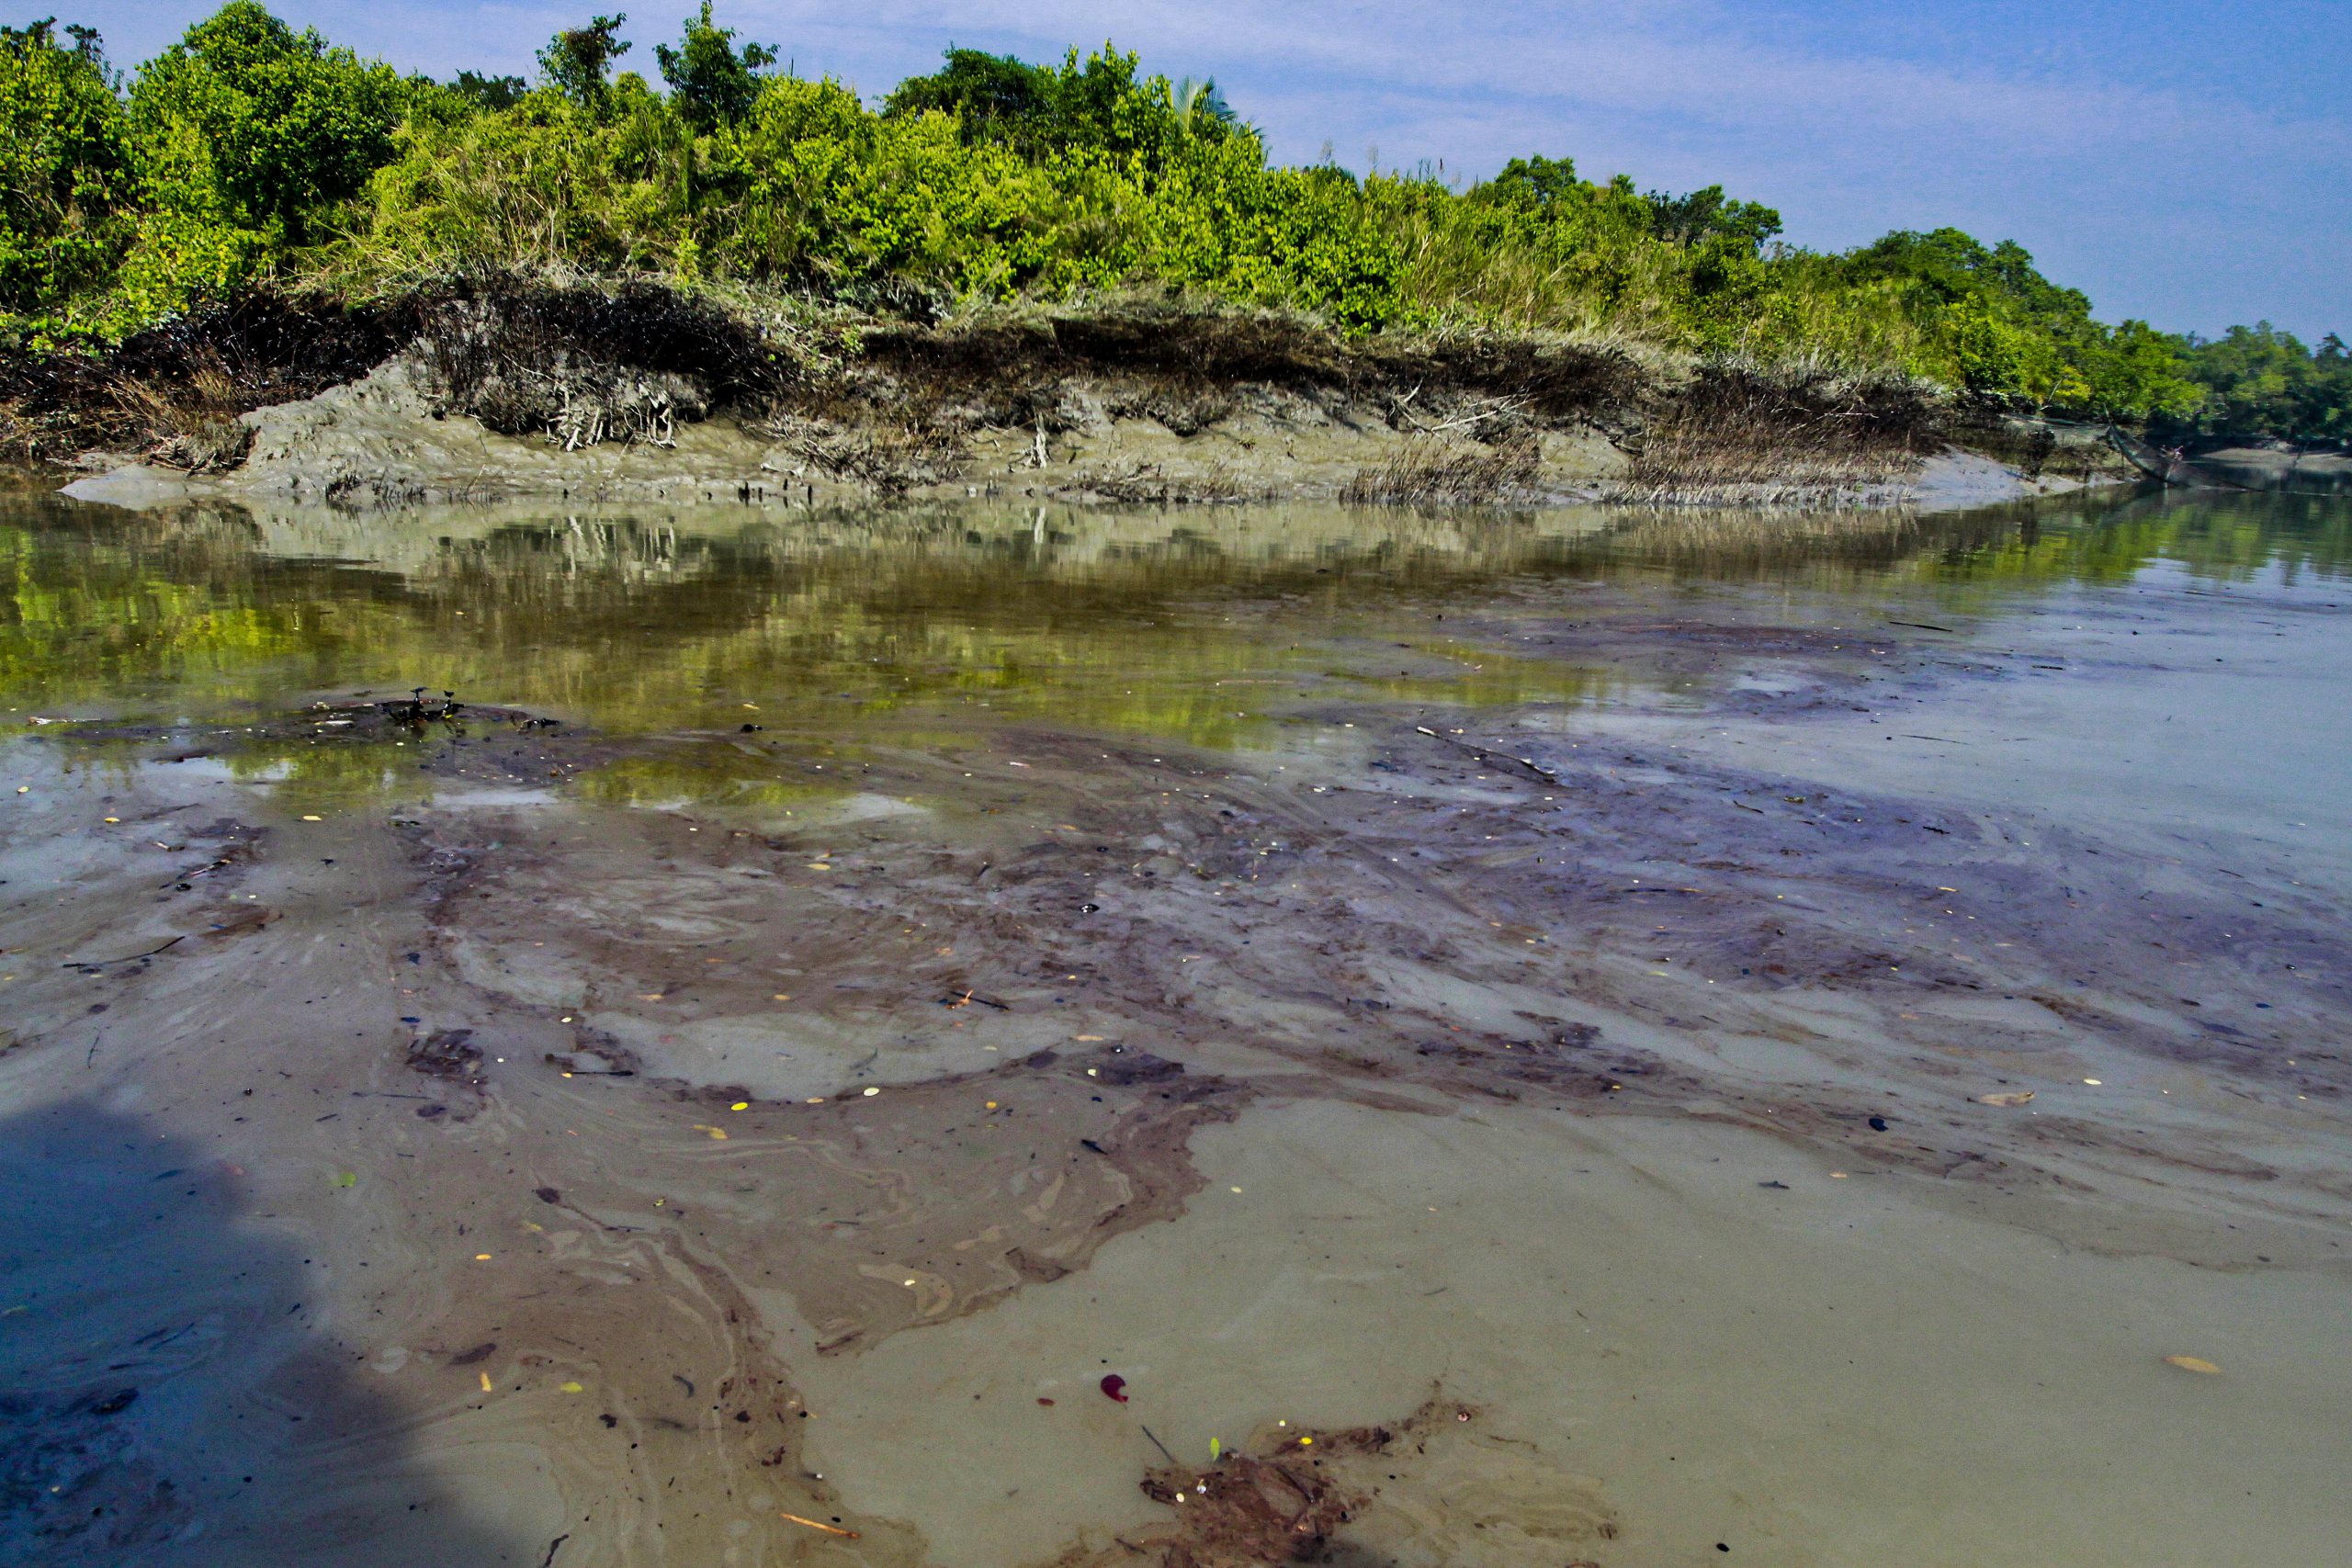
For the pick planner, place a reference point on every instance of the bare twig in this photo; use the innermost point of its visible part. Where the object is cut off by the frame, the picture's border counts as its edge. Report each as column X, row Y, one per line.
column 1157, row 1444
column 1484, row 755
column 129, row 958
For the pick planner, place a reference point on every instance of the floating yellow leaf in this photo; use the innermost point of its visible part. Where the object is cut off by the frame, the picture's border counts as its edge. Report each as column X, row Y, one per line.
column 571, row 1388
column 740, row 1105
column 714, row 1131
column 347, row 1178
column 2017, row 1098
column 2193, row 1364
column 485, row 1382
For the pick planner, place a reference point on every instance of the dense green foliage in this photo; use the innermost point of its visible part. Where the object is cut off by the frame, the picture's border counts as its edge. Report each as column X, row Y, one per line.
column 245, row 137
column 250, row 153
column 1038, row 110
column 492, row 93
column 2261, row 379
column 66, row 181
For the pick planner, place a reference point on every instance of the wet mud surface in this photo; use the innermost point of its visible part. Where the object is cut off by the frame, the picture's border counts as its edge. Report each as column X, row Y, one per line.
column 457, row 1123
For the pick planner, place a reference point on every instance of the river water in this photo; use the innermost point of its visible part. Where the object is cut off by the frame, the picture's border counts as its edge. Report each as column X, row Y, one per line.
column 1008, row 1037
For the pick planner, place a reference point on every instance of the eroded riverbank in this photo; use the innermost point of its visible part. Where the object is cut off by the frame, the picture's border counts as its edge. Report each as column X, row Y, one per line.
column 644, row 397
column 1676, row 1002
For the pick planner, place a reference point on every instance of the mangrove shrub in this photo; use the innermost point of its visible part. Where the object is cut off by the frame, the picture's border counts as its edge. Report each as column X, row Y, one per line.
column 249, row 152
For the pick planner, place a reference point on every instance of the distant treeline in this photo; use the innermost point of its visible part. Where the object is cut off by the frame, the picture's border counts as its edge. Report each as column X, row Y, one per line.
column 251, row 155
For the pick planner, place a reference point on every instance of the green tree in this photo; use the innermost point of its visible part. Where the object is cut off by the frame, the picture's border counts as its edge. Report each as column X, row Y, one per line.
column 250, row 123
column 712, row 83
column 2136, row 372
column 65, row 174
column 247, row 138
column 2261, row 379
column 1708, row 215
column 1547, row 186
column 1097, row 105
column 1949, row 265
column 1992, row 355
column 576, row 61
column 992, row 98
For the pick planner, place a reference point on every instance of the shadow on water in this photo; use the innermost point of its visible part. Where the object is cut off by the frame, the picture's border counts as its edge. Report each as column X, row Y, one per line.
column 166, row 1395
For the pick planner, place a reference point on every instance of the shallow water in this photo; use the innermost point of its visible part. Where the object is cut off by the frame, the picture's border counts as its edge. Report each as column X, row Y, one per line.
column 718, row 1089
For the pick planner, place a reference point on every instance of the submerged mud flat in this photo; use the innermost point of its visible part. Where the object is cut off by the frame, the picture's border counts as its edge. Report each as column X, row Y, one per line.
column 1016, row 1037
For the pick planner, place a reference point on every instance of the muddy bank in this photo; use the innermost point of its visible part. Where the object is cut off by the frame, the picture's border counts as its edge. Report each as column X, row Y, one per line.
column 606, row 1134
column 640, row 394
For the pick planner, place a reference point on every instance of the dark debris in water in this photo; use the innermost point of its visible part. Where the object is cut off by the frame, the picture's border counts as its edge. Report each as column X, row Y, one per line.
column 1287, row 1496
column 426, row 729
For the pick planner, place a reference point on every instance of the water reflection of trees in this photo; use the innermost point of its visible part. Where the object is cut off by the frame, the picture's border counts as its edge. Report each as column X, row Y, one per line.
column 2216, row 535
column 1125, row 618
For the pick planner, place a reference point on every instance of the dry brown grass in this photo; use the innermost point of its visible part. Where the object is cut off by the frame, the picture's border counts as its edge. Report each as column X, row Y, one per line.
column 1180, row 355
column 1737, row 433
column 173, row 390
column 1439, row 470
column 888, row 460
column 190, row 422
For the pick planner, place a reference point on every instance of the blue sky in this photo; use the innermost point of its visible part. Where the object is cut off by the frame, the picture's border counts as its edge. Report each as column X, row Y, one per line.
column 2182, row 160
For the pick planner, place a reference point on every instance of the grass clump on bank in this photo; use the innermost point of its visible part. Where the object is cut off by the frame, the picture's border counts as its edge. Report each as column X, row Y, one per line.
column 252, row 157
